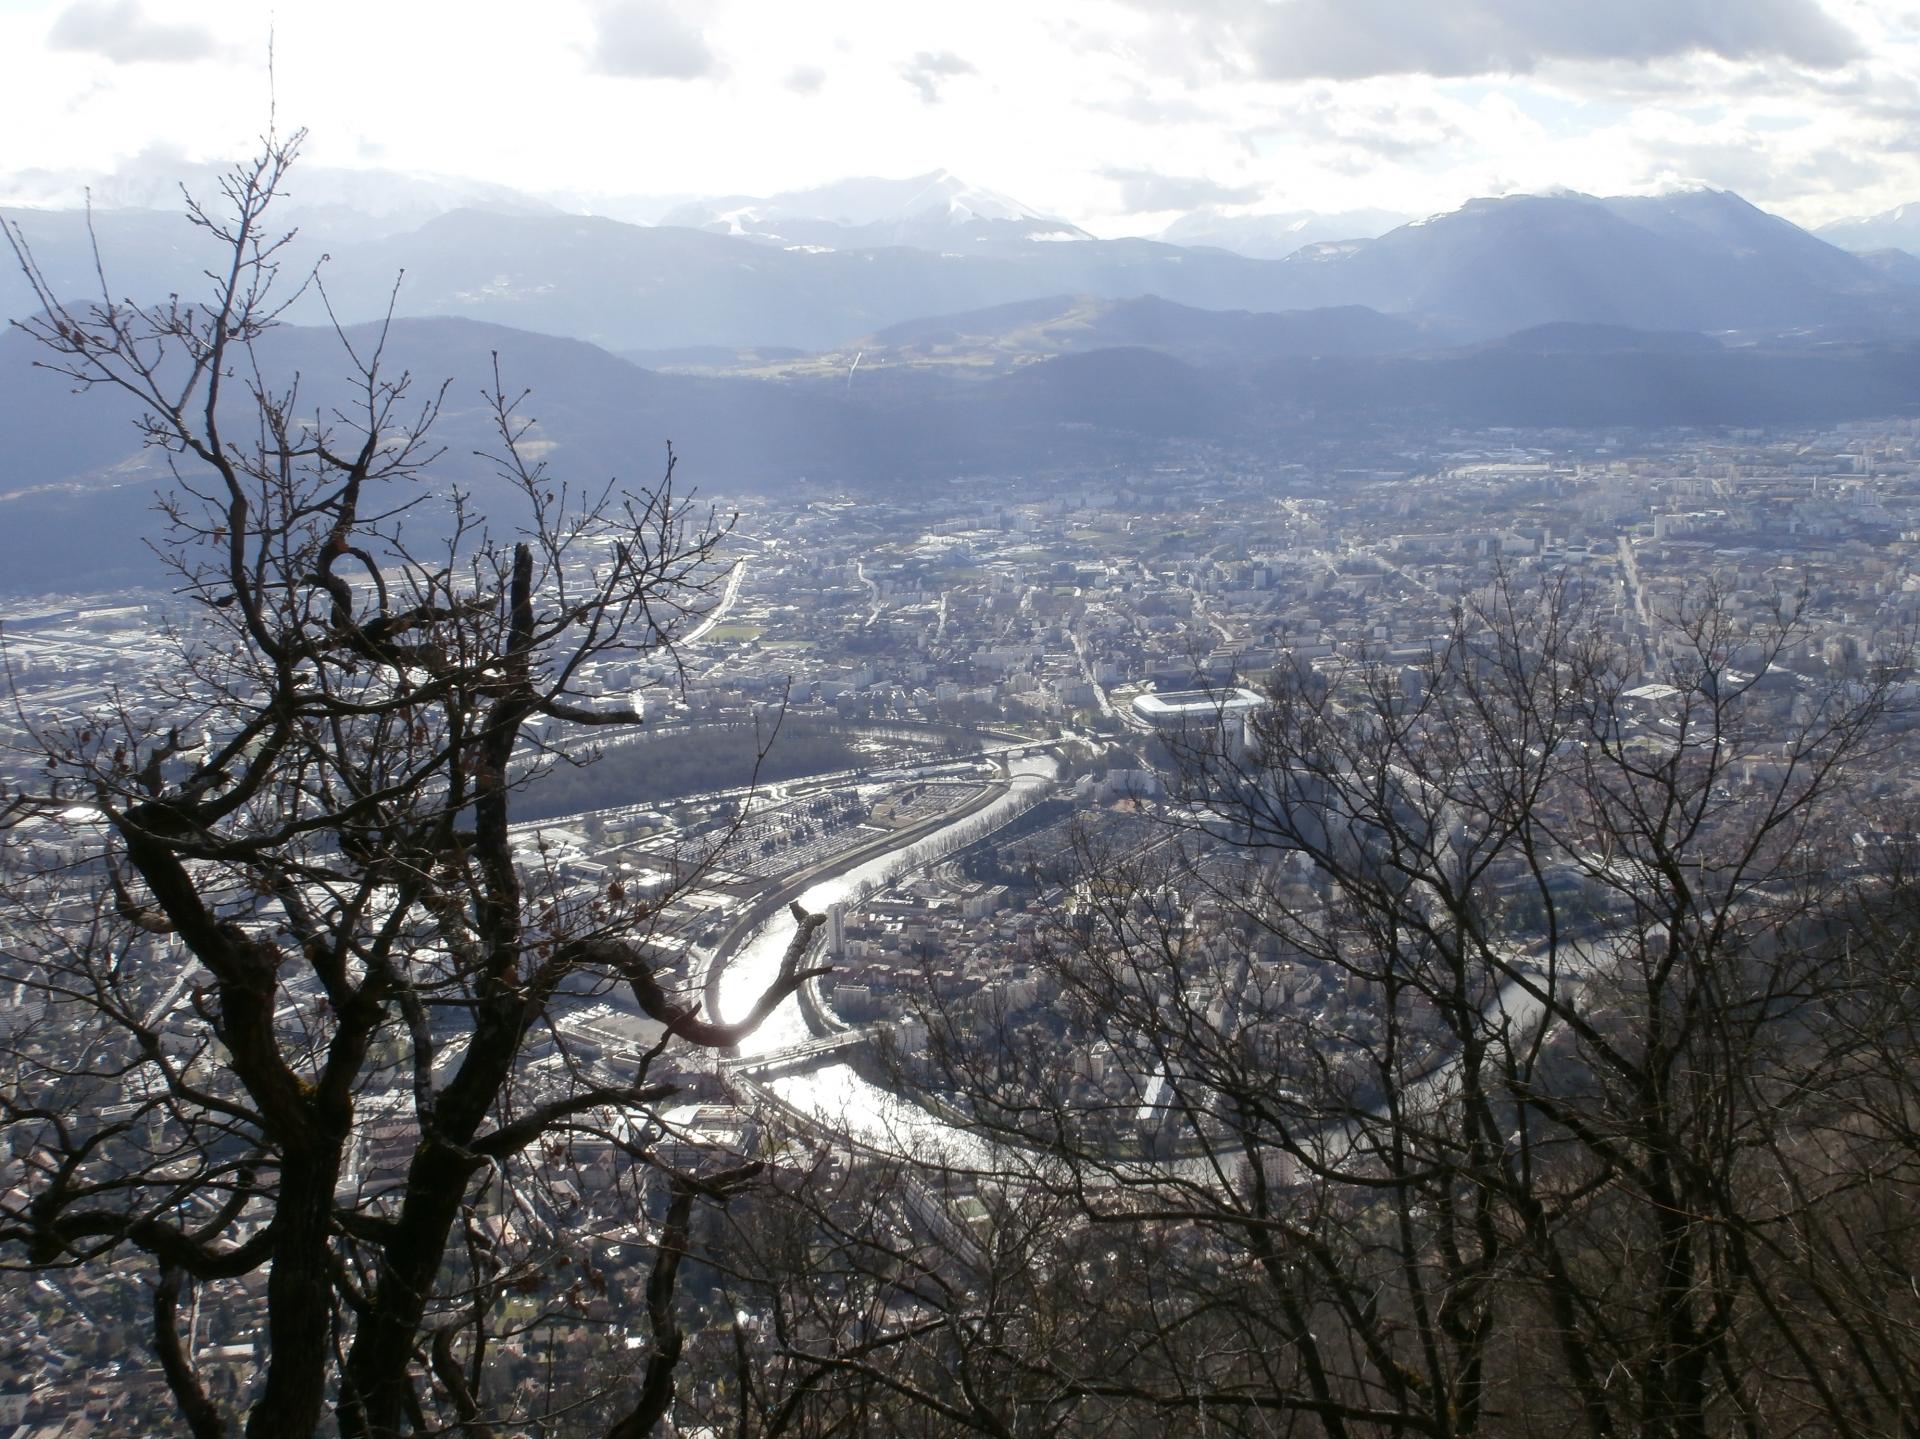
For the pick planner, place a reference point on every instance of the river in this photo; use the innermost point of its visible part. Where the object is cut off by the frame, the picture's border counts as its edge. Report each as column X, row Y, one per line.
column 845, row 1102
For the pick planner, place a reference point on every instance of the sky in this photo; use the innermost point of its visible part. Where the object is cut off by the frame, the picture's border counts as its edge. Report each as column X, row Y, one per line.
column 1118, row 115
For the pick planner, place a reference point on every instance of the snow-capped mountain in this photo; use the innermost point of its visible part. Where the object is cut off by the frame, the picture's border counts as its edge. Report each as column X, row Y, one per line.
column 935, row 211
column 1898, row 228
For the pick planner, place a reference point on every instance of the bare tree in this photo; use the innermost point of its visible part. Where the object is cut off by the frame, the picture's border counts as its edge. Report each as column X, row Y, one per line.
column 1514, row 1044
column 273, row 906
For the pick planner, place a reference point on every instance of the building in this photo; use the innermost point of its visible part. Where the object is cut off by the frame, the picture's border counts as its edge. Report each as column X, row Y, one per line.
column 1187, row 709
column 1210, row 720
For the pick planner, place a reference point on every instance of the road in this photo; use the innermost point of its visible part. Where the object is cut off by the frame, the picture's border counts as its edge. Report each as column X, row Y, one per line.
column 1086, row 666
column 718, row 612
column 1636, row 592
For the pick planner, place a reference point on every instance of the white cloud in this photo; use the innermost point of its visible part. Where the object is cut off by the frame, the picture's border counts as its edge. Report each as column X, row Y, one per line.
column 1045, row 101
column 929, row 70
column 124, row 33
column 649, row 40
column 1148, row 190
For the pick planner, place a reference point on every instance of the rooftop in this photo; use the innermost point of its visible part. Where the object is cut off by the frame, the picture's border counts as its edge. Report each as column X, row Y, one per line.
column 1196, row 704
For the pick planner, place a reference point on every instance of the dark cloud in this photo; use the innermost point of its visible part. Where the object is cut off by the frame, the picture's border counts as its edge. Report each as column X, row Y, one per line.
column 806, row 79
column 1352, row 39
column 126, row 34
column 929, row 69
column 1148, row 190
column 649, row 40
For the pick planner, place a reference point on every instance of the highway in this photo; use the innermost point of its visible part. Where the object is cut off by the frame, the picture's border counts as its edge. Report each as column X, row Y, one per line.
column 719, row 611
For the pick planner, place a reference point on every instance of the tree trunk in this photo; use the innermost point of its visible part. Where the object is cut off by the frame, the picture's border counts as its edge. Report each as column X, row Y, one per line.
column 299, row 1299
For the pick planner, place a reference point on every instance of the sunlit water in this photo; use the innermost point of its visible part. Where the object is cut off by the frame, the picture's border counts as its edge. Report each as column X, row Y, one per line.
column 843, row 1100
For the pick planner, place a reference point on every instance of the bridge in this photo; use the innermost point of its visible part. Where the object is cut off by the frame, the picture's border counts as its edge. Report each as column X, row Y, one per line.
column 799, row 1057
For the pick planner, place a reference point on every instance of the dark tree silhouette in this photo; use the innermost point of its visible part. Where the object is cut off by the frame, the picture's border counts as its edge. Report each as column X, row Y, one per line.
column 1523, row 1044
column 274, row 903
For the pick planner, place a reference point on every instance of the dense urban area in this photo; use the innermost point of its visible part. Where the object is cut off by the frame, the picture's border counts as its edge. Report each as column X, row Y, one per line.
column 961, row 692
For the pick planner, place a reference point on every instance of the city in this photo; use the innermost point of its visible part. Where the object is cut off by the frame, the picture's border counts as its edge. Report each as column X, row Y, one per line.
column 978, row 688
column 670, row 770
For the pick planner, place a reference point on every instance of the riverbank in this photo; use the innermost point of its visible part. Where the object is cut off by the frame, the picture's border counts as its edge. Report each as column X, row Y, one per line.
column 797, row 884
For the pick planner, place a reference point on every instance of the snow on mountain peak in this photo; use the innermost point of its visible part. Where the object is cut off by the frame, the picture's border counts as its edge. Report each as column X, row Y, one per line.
column 872, row 201
column 916, row 209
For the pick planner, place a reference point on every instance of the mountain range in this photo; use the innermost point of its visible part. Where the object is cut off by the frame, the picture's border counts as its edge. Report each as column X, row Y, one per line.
column 1698, row 260
column 973, row 343
column 937, row 211
column 76, row 490
column 1895, row 229
column 985, row 343
column 1274, row 235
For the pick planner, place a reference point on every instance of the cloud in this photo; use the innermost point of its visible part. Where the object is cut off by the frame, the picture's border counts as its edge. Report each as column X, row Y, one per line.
column 649, row 40
column 929, row 69
column 1144, row 105
column 125, row 34
column 1386, row 131
column 1752, row 167
column 806, row 79
column 1149, row 190
column 1355, row 39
